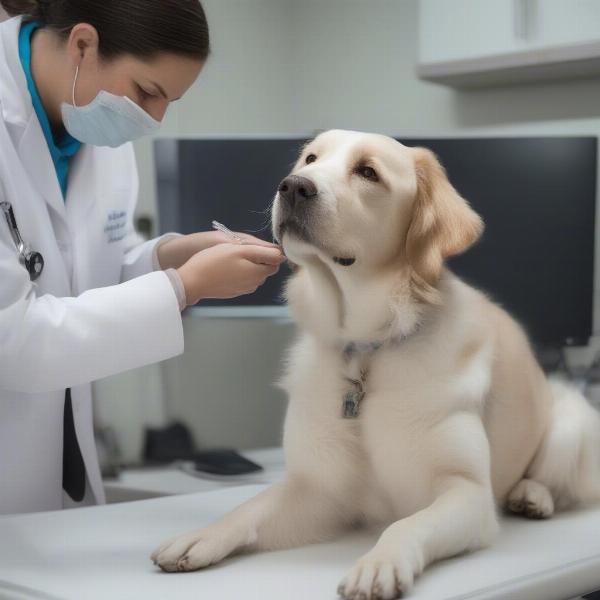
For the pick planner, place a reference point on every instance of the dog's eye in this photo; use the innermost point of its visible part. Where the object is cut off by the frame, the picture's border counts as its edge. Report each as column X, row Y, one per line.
column 311, row 158
column 368, row 173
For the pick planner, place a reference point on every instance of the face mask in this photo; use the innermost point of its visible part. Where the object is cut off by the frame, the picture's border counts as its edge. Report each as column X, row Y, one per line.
column 108, row 120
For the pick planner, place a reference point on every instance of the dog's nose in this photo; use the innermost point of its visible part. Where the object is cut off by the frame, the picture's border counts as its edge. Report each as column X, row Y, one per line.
column 294, row 189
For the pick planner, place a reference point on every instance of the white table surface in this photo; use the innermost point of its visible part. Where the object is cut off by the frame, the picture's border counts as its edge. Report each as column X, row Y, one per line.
column 101, row 553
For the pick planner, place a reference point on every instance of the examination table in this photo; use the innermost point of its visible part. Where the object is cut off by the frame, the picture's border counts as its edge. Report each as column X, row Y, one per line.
column 101, row 553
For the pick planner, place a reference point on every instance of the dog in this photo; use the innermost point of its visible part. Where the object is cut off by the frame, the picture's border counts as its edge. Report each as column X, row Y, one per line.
column 415, row 403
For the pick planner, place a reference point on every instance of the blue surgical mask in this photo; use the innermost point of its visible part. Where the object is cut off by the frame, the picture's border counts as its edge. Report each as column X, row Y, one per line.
column 108, row 120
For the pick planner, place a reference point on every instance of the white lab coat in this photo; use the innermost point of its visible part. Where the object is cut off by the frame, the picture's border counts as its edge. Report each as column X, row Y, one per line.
column 97, row 309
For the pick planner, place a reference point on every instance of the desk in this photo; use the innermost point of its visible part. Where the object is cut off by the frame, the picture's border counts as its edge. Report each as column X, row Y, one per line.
column 101, row 553
column 153, row 482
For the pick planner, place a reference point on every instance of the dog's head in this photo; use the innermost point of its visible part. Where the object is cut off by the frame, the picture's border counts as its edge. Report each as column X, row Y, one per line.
column 364, row 201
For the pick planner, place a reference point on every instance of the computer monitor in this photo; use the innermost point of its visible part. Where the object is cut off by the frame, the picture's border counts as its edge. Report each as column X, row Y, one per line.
column 537, row 196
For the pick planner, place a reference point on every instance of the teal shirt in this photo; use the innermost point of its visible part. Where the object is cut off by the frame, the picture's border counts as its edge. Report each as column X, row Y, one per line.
column 64, row 149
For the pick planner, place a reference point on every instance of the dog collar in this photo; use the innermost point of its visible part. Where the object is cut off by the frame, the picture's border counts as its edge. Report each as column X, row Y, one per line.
column 352, row 349
column 357, row 356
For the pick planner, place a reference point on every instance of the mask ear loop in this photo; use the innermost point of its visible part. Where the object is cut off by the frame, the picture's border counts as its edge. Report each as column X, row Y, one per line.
column 74, row 84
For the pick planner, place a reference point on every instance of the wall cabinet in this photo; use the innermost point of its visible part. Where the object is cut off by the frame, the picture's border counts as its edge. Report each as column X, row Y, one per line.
column 474, row 43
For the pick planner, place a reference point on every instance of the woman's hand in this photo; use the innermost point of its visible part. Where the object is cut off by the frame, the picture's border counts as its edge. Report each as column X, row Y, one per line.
column 175, row 252
column 227, row 270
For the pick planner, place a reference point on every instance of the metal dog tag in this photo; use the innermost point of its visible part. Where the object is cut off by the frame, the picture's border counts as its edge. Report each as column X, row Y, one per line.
column 351, row 404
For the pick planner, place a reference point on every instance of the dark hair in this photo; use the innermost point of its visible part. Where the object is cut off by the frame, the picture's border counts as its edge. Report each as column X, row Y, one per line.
column 138, row 27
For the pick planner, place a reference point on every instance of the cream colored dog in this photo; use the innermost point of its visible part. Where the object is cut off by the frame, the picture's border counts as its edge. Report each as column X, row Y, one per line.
column 415, row 402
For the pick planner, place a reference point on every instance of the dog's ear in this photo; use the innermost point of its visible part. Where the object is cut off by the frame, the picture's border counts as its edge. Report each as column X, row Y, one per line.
column 443, row 224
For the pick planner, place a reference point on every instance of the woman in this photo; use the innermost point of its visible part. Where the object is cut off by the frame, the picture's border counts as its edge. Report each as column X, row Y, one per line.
column 79, row 80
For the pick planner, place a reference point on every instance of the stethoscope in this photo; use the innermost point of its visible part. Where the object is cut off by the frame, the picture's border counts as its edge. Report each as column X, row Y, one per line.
column 31, row 260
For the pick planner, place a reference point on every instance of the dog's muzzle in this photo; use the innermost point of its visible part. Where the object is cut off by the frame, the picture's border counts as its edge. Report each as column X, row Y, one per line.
column 297, row 199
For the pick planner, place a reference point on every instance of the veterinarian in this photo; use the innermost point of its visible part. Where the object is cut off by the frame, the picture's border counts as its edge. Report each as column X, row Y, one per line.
column 81, row 295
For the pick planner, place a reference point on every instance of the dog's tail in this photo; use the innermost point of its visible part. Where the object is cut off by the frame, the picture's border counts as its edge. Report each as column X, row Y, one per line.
column 568, row 460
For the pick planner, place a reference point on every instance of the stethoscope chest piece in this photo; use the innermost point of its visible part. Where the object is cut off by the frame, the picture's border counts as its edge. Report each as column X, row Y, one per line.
column 34, row 263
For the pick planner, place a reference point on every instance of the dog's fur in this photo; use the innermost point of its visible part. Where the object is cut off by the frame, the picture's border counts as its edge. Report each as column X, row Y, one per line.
column 458, row 420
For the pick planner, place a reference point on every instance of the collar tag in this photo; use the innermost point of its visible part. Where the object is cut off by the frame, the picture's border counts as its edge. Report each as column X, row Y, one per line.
column 351, row 404
column 355, row 353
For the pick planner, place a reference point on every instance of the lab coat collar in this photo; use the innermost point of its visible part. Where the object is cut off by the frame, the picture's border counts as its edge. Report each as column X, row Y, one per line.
column 15, row 101
column 17, row 110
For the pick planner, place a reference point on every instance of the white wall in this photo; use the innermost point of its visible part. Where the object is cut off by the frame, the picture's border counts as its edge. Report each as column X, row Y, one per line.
column 358, row 70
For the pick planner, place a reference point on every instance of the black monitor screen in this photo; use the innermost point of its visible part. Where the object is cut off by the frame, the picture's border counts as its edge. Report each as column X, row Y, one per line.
column 537, row 197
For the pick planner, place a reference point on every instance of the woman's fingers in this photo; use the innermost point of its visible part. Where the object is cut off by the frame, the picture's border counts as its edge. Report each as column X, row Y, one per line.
column 250, row 239
column 262, row 255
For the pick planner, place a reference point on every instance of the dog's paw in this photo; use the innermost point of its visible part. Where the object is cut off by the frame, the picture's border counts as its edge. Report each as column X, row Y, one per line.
column 193, row 551
column 531, row 499
column 381, row 576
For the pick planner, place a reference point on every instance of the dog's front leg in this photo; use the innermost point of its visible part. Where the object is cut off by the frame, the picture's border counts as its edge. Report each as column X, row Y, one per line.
column 283, row 516
column 462, row 517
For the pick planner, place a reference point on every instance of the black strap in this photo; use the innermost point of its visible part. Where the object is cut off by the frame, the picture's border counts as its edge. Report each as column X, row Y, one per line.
column 73, row 465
